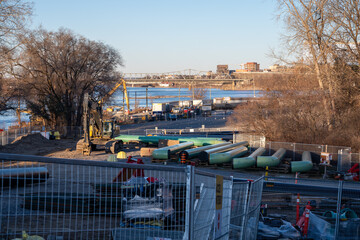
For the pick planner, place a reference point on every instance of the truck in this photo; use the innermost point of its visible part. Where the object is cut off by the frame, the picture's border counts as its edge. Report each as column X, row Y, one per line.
column 206, row 110
column 159, row 108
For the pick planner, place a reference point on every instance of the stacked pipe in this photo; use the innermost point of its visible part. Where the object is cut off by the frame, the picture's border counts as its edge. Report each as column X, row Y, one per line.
column 271, row 161
column 205, row 155
column 304, row 165
column 198, row 141
column 249, row 161
column 187, row 154
column 225, row 157
column 165, row 152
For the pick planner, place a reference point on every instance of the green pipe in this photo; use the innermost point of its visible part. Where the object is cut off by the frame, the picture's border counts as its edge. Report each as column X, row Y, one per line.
column 205, row 155
column 218, row 158
column 304, row 165
column 249, row 161
column 194, row 152
column 271, row 161
column 198, row 141
column 165, row 152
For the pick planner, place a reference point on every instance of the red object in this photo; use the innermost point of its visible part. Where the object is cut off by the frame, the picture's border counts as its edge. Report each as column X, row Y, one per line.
column 303, row 222
column 152, row 179
column 355, row 170
column 126, row 173
column 297, row 207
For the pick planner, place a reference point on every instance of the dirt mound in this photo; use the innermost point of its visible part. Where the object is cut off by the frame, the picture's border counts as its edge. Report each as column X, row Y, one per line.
column 31, row 144
column 31, row 139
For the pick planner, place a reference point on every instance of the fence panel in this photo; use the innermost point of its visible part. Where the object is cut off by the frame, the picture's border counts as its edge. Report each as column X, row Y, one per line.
column 255, row 141
column 349, row 215
column 77, row 199
column 253, row 209
column 238, row 208
column 212, row 207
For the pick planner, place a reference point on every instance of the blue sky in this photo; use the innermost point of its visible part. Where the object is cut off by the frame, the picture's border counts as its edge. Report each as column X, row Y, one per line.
column 163, row 36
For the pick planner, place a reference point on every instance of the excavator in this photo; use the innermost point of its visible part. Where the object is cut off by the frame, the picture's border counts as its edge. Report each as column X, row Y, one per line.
column 96, row 129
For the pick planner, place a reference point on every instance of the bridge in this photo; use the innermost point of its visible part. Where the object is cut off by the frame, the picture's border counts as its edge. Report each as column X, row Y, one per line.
column 187, row 77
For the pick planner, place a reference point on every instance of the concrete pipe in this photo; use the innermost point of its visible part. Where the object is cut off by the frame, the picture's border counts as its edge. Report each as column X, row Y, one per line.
column 225, row 157
column 304, row 165
column 165, row 152
column 271, row 161
column 249, row 161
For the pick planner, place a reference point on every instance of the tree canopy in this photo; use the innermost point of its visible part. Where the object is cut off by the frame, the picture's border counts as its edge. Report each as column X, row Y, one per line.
column 56, row 69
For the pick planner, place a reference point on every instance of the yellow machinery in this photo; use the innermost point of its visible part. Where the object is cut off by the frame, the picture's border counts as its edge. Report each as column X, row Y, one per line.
column 95, row 128
column 111, row 92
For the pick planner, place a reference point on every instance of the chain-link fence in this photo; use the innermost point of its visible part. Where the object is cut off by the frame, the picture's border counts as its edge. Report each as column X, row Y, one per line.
column 203, row 131
column 295, row 150
column 255, row 141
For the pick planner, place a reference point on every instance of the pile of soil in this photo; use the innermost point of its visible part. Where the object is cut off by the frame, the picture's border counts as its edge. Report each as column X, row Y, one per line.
column 31, row 144
column 30, row 139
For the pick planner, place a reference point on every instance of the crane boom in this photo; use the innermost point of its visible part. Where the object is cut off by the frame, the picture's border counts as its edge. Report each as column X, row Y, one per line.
column 111, row 92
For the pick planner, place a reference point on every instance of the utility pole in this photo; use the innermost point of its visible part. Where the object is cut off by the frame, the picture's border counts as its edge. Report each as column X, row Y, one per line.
column 179, row 96
column 193, row 91
column 146, row 98
column 210, row 92
column 135, row 102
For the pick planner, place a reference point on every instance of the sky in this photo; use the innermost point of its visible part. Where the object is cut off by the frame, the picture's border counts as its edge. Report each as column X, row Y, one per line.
column 155, row 36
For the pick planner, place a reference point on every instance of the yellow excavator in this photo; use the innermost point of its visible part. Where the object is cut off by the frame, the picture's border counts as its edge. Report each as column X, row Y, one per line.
column 96, row 129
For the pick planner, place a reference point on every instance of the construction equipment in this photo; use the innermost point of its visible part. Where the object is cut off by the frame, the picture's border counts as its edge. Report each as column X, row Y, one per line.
column 96, row 130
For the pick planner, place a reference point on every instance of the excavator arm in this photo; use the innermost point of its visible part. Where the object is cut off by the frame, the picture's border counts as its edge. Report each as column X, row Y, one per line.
column 111, row 92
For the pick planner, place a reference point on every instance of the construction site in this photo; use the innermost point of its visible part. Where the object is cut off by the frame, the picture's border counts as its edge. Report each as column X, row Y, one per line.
column 184, row 178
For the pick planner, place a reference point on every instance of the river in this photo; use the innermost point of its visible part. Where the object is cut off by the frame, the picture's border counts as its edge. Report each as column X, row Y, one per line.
column 9, row 118
column 185, row 94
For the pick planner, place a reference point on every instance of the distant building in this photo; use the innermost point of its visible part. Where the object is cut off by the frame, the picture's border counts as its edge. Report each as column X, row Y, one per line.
column 278, row 68
column 252, row 67
column 222, row 69
column 249, row 67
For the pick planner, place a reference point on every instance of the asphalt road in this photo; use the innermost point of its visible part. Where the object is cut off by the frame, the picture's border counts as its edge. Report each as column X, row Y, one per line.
column 216, row 120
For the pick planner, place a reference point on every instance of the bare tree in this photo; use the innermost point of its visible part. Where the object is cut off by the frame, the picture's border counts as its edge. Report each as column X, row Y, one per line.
column 58, row 68
column 200, row 93
column 323, row 36
column 14, row 15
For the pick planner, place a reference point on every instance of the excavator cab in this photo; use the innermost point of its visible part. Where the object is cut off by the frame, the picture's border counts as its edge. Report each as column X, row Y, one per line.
column 108, row 129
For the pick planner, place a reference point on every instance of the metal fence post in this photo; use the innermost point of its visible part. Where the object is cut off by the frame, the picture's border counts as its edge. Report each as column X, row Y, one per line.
column 294, row 150
column 190, row 196
column 338, row 207
column 269, row 148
